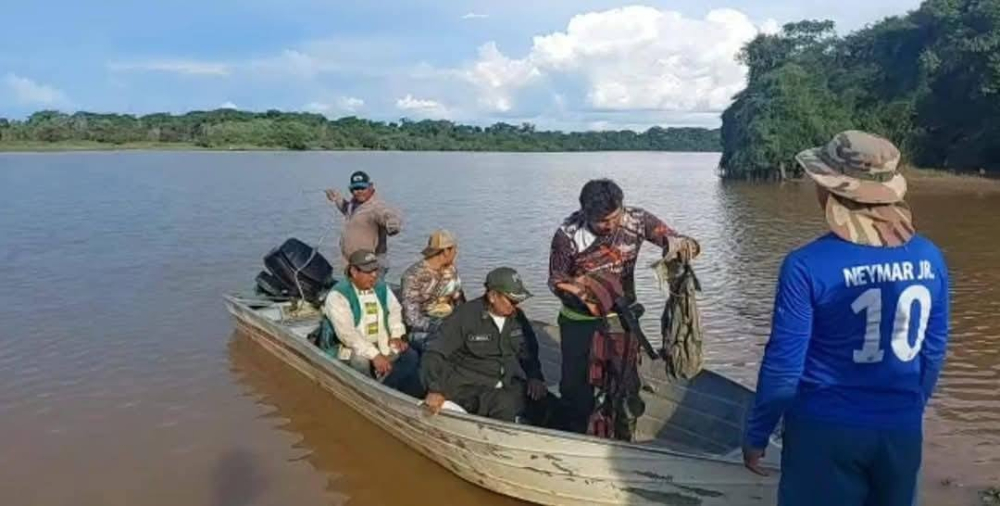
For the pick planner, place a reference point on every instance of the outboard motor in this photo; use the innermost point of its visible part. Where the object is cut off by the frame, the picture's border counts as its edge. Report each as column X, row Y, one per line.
column 296, row 270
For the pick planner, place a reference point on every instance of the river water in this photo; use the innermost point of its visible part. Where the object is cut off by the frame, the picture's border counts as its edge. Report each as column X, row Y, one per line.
column 122, row 381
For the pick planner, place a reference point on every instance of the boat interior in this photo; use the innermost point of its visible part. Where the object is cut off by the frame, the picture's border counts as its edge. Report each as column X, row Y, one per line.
column 702, row 416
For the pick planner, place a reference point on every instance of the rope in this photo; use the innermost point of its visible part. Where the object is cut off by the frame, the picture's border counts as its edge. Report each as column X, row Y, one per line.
column 315, row 251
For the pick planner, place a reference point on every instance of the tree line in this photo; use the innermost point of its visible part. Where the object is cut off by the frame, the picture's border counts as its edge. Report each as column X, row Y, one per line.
column 928, row 80
column 229, row 128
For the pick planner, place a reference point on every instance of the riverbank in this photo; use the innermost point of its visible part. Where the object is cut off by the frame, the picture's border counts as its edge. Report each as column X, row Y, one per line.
column 83, row 146
column 74, row 146
column 933, row 180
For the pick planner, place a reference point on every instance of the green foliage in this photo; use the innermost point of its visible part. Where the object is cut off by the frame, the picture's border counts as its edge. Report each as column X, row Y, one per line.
column 229, row 128
column 929, row 81
column 787, row 109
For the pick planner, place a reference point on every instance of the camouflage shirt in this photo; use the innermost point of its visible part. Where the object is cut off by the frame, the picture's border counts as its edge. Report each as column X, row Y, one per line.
column 428, row 295
column 577, row 251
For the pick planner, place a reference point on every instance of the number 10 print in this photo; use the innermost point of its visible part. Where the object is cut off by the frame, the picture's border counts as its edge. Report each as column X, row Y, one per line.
column 871, row 301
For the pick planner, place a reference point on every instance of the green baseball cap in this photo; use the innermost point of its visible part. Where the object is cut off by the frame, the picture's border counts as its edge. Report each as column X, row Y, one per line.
column 508, row 282
column 364, row 260
column 360, row 180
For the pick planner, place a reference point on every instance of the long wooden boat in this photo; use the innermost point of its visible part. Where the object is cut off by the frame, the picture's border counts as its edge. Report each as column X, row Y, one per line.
column 687, row 451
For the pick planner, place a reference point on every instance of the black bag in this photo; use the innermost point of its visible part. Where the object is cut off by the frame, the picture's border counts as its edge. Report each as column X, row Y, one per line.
column 301, row 269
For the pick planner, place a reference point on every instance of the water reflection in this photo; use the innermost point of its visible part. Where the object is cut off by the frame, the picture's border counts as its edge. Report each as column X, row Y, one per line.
column 363, row 463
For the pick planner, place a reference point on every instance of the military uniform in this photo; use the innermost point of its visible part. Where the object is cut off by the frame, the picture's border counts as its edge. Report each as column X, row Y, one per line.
column 480, row 366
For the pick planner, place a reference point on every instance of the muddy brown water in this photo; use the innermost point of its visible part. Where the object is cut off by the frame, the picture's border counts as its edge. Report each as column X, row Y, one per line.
column 123, row 382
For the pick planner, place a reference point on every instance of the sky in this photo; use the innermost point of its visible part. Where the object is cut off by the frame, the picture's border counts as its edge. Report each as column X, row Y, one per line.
column 560, row 64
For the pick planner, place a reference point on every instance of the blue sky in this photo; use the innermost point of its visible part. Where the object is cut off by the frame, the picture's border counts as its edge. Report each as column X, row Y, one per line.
column 583, row 64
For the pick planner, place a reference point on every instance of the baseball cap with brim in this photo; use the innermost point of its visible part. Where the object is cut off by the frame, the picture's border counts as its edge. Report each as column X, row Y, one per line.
column 508, row 282
column 360, row 180
column 439, row 241
column 857, row 166
column 363, row 260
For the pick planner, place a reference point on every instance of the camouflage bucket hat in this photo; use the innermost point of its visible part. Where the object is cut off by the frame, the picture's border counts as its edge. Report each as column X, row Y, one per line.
column 857, row 166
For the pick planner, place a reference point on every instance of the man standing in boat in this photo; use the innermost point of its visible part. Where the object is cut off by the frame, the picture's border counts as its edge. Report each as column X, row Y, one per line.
column 858, row 338
column 368, row 321
column 484, row 356
column 431, row 288
column 602, row 238
column 368, row 220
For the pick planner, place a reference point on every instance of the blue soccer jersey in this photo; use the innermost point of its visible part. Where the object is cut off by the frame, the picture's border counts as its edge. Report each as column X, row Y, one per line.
column 858, row 336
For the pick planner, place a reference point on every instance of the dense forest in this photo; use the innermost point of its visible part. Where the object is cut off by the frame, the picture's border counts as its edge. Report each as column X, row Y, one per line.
column 929, row 81
column 229, row 128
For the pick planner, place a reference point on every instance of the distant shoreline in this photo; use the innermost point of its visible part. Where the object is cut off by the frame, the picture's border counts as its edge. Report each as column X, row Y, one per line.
column 74, row 146
column 85, row 146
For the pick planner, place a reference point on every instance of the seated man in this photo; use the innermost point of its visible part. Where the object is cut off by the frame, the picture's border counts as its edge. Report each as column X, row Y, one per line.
column 431, row 288
column 484, row 357
column 367, row 319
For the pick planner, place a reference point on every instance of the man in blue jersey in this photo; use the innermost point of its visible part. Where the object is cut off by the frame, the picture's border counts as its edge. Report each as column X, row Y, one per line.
column 858, row 338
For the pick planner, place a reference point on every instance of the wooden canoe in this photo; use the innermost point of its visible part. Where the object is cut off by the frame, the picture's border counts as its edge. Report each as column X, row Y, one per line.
column 687, row 454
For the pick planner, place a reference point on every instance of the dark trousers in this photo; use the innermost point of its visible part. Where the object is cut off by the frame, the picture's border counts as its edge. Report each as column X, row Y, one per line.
column 825, row 464
column 498, row 403
column 574, row 386
column 405, row 374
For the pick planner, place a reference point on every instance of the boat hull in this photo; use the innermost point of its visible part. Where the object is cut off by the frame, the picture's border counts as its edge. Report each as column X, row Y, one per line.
column 529, row 463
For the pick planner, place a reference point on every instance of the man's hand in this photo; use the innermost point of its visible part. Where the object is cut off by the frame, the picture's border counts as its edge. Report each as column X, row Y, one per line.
column 382, row 366
column 751, row 459
column 579, row 293
column 688, row 249
column 399, row 345
column 434, row 401
column 567, row 287
column 537, row 389
column 333, row 196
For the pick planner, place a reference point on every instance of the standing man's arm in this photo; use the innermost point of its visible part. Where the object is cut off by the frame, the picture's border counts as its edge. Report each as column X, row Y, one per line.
column 784, row 359
column 932, row 353
column 561, row 281
column 658, row 233
column 338, row 201
column 390, row 219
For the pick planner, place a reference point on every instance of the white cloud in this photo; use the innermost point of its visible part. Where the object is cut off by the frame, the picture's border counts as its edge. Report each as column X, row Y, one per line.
column 422, row 107
column 409, row 103
column 474, row 15
column 228, row 105
column 293, row 63
column 284, row 64
column 30, row 93
column 184, row 67
column 340, row 105
column 633, row 58
column 497, row 76
column 350, row 103
column 770, row 27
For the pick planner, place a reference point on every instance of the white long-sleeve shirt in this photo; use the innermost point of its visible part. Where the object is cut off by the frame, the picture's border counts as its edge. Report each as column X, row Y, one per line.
column 369, row 338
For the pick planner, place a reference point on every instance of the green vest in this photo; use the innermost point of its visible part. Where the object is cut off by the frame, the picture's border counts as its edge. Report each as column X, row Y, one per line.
column 346, row 288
